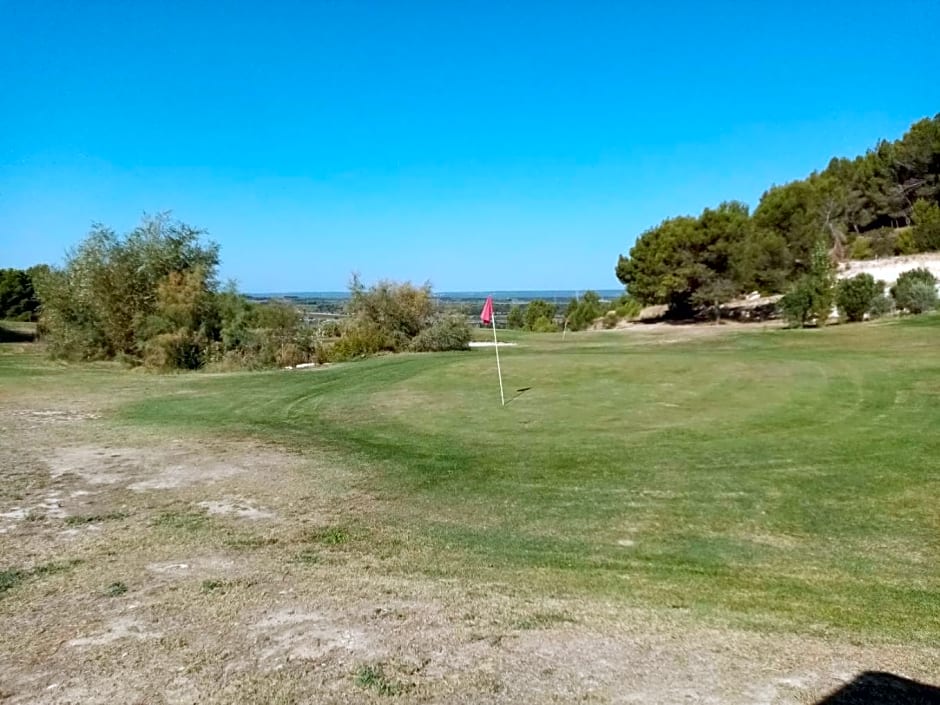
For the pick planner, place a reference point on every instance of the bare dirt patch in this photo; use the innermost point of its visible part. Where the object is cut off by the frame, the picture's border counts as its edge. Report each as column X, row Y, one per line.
column 179, row 570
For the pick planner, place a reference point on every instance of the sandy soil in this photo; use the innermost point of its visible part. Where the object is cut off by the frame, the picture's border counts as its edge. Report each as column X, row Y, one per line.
column 185, row 573
column 889, row 269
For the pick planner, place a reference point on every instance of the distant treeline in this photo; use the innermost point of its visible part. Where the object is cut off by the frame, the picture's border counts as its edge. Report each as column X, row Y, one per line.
column 880, row 204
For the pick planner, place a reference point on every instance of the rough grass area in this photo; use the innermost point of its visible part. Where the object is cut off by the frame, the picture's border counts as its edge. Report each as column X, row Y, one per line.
column 781, row 479
column 752, row 512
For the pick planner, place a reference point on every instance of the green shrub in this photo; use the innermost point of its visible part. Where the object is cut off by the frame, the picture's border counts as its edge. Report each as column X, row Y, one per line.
column 582, row 312
column 854, row 296
column 542, row 324
column 881, row 306
column 174, row 351
column 926, row 230
column 861, row 248
column 628, row 307
column 516, row 318
column 360, row 339
column 920, row 297
column 884, row 242
column 536, row 313
column 797, row 305
column 916, row 291
column 906, row 243
column 611, row 319
column 812, row 295
column 445, row 334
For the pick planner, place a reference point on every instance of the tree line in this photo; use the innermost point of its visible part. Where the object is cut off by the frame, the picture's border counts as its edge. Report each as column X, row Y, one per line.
column 152, row 297
column 883, row 203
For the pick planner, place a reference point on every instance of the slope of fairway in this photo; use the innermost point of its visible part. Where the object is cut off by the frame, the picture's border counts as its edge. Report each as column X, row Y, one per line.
column 777, row 479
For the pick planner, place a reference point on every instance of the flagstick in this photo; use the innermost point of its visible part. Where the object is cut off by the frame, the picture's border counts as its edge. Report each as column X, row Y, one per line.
column 499, row 371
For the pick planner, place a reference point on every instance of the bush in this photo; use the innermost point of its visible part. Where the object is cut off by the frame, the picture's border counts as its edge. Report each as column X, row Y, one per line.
column 360, row 339
column 926, row 231
column 881, row 305
column 796, row 306
column 916, row 291
column 812, row 295
column 920, row 297
column 611, row 319
column 582, row 313
column 398, row 311
column 516, row 318
column 536, row 313
column 628, row 307
column 445, row 334
column 543, row 325
column 854, row 296
column 884, row 242
column 861, row 248
column 174, row 351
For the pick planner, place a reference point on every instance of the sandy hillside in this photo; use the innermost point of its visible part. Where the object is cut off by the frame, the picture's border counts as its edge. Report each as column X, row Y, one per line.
column 889, row 268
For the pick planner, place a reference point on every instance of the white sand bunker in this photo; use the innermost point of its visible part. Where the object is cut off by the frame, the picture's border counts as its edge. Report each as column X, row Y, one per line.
column 487, row 344
column 236, row 507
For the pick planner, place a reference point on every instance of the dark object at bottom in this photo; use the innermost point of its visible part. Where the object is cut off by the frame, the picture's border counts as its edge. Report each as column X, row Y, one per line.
column 875, row 688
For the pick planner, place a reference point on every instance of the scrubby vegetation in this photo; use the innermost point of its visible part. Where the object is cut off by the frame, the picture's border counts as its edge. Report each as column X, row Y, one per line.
column 152, row 297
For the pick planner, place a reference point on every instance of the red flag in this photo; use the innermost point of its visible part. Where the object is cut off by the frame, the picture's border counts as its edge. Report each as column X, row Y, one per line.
column 486, row 316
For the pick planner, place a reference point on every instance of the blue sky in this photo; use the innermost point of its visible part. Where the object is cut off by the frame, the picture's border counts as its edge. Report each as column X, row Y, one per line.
column 476, row 145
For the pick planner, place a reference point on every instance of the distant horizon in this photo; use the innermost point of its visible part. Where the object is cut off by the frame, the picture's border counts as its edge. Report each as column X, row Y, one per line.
column 500, row 294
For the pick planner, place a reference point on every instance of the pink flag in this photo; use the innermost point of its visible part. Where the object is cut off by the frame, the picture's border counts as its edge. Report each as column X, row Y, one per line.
column 486, row 316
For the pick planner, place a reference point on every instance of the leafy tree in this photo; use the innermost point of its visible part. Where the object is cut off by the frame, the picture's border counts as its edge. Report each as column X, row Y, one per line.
column 916, row 290
column 540, row 314
column 670, row 263
column 854, row 296
column 714, row 293
column 18, row 299
column 102, row 303
column 582, row 312
column 516, row 318
column 811, row 297
column 394, row 312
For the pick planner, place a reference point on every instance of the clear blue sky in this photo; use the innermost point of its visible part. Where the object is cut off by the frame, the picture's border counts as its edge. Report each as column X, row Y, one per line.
column 479, row 145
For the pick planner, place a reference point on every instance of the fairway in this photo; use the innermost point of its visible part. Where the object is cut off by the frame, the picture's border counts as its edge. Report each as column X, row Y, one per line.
column 758, row 484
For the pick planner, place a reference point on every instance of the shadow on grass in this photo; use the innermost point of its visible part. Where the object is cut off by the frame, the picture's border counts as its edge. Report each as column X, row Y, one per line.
column 519, row 393
column 876, row 688
column 16, row 335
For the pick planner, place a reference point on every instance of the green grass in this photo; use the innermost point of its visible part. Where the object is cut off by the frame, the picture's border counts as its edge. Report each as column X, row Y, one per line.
column 80, row 519
column 13, row 577
column 373, row 678
column 779, row 480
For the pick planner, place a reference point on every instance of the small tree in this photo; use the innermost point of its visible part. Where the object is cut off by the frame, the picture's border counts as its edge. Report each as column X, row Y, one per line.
column 537, row 313
column 516, row 318
column 582, row 312
column 713, row 294
column 18, row 298
column 812, row 295
column 395, row 312
column 916, row 290
column 854, row 296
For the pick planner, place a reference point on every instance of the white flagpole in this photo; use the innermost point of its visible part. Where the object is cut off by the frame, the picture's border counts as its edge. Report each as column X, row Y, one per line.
column 499, row 371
